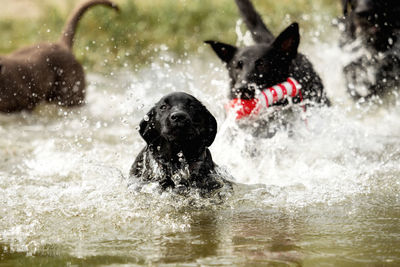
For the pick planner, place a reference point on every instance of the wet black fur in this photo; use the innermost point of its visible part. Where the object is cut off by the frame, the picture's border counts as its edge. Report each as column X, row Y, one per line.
column 269, row 62
column 374, row 21
column 377, row 25
column 178, row 131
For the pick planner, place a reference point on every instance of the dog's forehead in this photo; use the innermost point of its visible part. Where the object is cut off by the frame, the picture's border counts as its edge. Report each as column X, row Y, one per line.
column 179, row 99
column 391, row 5
column 253, row 52
column 363, row 5
column 368, row 5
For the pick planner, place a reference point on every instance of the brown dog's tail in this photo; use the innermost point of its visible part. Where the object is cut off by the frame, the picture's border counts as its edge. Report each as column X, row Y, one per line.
column 70, row 27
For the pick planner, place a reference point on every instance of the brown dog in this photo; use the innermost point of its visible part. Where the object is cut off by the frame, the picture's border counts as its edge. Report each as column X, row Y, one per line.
column 45, row 71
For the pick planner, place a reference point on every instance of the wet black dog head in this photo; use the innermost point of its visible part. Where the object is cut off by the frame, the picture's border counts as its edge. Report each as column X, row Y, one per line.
column 259, row 66
column 374, row 20
column 371, row 7
column 180, row 122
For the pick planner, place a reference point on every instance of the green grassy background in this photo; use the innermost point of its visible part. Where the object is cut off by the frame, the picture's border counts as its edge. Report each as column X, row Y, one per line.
column 132, row 38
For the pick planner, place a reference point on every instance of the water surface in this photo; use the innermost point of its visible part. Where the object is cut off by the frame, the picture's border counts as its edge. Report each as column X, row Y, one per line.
column 328, row 195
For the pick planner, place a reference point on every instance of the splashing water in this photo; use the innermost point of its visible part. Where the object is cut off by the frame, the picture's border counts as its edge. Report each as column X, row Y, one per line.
column 330, row 193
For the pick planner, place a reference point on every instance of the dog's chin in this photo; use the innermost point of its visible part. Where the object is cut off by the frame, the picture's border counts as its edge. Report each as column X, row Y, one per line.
column 178, row 135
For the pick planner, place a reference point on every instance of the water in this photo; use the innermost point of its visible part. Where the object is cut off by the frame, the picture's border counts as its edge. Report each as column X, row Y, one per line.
column 329, row 195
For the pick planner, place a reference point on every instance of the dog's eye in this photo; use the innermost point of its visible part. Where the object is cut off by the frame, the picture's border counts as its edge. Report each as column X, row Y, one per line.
column 239, row 64
column 163, row 107
column 193, row 107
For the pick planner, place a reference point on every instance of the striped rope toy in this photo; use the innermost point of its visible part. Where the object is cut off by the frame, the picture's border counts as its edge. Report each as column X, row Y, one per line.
column 266, row 98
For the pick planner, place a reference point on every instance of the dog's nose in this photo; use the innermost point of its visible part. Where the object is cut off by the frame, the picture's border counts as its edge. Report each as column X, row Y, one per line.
column 179, row 116
column 245, row 91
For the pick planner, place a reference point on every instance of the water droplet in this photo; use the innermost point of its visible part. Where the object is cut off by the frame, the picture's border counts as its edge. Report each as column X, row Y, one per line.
column 146, row 118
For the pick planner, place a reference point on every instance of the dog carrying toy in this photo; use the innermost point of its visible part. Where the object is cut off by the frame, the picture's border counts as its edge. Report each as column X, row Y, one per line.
column 266, row 98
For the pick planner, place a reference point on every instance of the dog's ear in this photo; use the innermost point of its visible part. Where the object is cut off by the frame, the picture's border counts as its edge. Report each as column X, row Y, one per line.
column 210, row 128
column 288, row 41
column 224, row 51
column 345, row 6
column 148, row 129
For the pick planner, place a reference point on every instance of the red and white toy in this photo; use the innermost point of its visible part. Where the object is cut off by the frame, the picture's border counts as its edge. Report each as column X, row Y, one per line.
column 266, row 98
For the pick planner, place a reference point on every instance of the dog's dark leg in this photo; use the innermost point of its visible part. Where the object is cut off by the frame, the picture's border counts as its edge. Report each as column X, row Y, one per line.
column 350, row 72
column 254, row 22
column 355, row 71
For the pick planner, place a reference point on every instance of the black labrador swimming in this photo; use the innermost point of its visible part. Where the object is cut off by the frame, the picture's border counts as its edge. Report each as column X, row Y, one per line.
column 270, row 61
column 178, row 131
column 372, row 30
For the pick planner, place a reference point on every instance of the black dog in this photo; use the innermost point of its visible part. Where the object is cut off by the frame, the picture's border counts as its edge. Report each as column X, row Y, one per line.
column 269, row 62
column 376, row 24
column 178, row 131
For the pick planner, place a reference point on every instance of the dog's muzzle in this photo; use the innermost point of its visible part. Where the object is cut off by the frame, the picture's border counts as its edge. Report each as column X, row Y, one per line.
column 178, row 126
column 179, row 119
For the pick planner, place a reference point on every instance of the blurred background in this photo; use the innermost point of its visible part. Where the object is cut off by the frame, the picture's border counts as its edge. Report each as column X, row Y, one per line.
column 326, row 196
column 135, row 37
